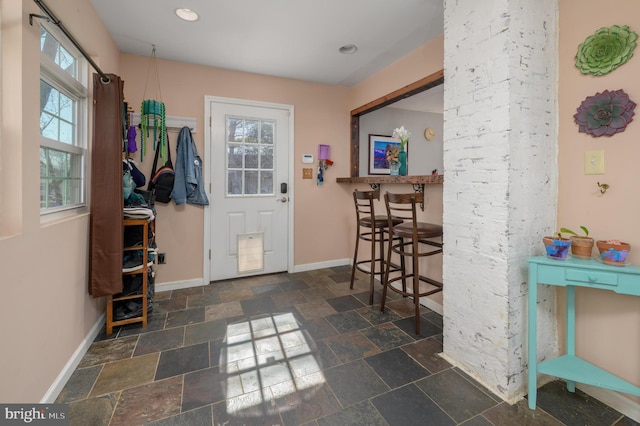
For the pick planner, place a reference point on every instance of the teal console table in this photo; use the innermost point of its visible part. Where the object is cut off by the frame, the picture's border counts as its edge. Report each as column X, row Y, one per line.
column 572, row 273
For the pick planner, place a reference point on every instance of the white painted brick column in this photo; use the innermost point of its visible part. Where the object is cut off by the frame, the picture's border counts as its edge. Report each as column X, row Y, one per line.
column 500, row 191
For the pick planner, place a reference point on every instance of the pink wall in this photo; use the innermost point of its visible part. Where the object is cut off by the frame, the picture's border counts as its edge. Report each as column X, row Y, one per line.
column 46, row 311
column 55, row 291
column 420, row 63
column 321, row 116
column 608, row 324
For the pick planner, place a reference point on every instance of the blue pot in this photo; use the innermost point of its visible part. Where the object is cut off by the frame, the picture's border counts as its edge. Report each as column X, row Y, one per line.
column 557, row 249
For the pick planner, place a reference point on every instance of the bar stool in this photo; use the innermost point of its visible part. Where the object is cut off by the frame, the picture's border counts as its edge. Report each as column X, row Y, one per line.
column 372, row 228
column 410, row 239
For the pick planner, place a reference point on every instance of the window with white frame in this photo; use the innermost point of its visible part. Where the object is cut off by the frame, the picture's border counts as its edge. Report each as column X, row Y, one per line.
column 63, row 118
column 250, row 156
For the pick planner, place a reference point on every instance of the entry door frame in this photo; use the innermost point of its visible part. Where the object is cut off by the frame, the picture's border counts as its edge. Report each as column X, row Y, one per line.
column 206, row 262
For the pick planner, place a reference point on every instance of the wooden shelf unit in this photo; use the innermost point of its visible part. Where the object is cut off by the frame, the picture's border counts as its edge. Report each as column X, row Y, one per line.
column 143, row 270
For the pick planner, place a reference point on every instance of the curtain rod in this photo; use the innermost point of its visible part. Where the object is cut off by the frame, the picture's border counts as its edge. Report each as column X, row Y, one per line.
column 52, row 18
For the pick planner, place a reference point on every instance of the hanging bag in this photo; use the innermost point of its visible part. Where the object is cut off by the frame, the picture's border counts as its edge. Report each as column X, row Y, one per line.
column 161, row 182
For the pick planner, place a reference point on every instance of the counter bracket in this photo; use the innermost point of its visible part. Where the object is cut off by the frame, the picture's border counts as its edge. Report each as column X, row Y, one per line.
column 419, row 187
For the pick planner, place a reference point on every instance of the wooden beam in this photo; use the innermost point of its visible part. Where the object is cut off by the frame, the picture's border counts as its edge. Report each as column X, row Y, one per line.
column 421, row 85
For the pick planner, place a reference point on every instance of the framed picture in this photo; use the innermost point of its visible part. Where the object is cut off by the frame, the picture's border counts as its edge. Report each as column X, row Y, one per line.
column 379, row 153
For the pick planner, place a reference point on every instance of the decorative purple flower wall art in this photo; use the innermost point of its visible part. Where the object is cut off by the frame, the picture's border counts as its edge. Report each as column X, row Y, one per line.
column 605, row 114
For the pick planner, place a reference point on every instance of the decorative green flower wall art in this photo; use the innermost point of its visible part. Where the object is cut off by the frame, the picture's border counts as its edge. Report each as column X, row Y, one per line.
column 605, row 114
column 606, row 49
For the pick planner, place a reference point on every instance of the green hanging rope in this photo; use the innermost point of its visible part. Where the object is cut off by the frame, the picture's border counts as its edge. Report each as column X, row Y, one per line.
column 153, row 110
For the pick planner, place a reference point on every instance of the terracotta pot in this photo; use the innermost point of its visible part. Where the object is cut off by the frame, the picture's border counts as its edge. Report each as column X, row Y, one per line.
column 613, row 253
column 582, row 247
column 556, row 248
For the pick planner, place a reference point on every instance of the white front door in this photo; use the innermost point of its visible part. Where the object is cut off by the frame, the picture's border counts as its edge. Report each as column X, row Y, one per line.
column 250, row 193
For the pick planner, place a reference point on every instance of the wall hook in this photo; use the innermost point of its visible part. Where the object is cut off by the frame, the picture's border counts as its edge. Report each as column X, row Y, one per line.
column 603, row 187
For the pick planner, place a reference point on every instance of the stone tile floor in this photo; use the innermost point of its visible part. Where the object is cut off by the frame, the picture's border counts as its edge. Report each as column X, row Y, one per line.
column 294, row 349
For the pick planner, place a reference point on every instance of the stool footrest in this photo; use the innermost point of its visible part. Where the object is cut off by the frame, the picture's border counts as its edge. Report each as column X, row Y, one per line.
column 399, row 249
column 360, row 268
column 409, row 278
column 431, row 243
column 393, row 267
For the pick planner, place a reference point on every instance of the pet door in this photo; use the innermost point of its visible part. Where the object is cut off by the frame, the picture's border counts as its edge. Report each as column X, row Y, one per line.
column 250, row 252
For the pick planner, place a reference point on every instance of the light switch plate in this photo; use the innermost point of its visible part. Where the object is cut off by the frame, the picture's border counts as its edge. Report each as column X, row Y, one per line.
column 307, row 173
column 594, row 162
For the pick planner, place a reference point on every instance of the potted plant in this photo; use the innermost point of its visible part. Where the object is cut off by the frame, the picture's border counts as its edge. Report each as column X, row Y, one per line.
column 613, row 252
column 557, row 246
column 581, row 245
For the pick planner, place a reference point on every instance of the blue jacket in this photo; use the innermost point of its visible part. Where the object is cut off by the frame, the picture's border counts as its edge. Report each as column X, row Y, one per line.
column 188, row 186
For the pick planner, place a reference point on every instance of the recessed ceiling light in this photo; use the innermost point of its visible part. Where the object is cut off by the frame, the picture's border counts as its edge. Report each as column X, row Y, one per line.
column 348, row 49
column 187, row 14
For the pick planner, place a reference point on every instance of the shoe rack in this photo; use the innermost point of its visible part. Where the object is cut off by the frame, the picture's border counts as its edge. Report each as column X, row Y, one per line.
column 140, row 297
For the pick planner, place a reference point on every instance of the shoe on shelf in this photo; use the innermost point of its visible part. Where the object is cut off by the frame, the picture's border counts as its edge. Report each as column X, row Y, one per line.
column 132, row 261
column 133, row 236
column 131, row 284
column 127, row 310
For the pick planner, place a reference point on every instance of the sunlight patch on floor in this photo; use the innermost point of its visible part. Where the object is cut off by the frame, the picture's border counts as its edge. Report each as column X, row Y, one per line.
column 270, row 365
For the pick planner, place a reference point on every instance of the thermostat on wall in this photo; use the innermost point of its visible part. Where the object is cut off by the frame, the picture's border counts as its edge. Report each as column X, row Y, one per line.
column 307, row 158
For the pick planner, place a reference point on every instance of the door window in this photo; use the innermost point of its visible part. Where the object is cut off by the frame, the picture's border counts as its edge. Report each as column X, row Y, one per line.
column 250, row 156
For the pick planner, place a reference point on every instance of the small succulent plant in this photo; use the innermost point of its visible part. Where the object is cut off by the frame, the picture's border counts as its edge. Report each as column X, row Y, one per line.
column 570, row 232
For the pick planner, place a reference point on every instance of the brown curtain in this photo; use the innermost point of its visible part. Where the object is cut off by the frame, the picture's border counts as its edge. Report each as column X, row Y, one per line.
column 106, row 233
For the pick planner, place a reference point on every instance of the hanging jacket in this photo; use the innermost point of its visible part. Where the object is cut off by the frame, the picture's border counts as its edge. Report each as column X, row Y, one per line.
column 188, row 186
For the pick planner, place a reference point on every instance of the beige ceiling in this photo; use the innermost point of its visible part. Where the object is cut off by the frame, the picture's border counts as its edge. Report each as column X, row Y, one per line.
column 286, row 38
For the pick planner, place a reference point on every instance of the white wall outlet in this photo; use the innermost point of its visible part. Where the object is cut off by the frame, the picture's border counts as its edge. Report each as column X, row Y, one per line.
column 594, row 162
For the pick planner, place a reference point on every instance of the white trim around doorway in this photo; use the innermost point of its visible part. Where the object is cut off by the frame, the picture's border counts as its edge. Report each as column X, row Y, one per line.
column 208, row 184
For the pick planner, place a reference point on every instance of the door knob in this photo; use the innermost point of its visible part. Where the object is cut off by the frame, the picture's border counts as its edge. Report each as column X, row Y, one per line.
column 283, row 199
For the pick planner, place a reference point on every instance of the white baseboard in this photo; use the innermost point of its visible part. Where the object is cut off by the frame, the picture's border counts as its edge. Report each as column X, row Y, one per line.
column 321, row 265
column 197, row 282
column 431, row 304
column 73, row 362
column 614, row 400
column 71, row 365
column 177, row 285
